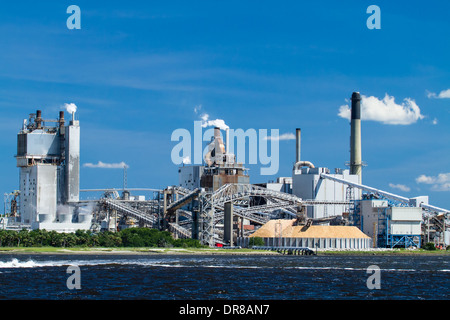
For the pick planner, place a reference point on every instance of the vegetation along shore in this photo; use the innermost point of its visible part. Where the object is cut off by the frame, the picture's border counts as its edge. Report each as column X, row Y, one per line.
column 144, row 240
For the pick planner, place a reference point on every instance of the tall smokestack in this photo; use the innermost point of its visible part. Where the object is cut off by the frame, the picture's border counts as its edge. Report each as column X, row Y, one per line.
column 218, row 146
column 355, row 136
column 61, row 119
column 298, row 137
column 38, row 119
column 72, row 158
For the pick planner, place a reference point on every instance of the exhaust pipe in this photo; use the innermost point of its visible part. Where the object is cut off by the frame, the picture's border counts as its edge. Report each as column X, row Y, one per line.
column 298, row 162
column 298, row 134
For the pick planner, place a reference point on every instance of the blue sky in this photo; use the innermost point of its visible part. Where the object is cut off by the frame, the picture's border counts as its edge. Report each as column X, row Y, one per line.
column 136, row 70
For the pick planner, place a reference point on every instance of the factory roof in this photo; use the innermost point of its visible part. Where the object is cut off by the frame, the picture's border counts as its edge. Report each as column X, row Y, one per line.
column 288, row 230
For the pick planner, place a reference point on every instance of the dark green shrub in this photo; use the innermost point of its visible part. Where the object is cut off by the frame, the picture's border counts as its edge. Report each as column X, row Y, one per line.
column 255, row 241
column 429, row 246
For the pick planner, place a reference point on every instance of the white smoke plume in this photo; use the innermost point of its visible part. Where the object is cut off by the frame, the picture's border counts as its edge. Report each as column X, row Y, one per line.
column 186, row 160
column 385, row 110
column 284, row 136
column 70, row 107
column 103, row 165
column 213, row 123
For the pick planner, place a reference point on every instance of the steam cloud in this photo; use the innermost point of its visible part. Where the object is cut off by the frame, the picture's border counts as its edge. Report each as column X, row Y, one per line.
column 186, row 160
column 284, row 136
column 70, row 107
column 103, row 165
column 386, row 110
column 213, row 123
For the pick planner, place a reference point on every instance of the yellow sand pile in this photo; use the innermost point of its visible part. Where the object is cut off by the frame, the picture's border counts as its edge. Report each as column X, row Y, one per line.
column 285, row 229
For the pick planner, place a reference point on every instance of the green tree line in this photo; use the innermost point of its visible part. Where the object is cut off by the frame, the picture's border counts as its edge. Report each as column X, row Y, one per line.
column 131, row 237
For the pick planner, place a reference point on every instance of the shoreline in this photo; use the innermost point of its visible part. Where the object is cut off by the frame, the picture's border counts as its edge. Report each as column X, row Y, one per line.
column 206, row 251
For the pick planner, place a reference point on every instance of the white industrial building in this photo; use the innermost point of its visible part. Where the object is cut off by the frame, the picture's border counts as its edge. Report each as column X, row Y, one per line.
column 308, row 184
column 48, row 157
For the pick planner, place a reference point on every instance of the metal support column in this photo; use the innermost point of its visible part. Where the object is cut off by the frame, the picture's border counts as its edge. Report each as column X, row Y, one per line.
column 228, row 223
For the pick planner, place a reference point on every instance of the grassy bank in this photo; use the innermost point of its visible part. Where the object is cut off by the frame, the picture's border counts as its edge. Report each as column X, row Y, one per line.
column 128, row 250
column 205, row 250
column 387, row 252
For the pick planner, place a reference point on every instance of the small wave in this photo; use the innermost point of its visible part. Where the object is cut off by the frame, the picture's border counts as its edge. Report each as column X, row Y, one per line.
column 15, row 263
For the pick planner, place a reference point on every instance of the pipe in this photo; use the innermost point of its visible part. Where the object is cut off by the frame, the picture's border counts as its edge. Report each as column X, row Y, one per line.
column 300, row 164
column 298, row 134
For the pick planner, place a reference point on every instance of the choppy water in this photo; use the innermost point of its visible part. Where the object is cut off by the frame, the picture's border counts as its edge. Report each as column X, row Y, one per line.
column 168, row 277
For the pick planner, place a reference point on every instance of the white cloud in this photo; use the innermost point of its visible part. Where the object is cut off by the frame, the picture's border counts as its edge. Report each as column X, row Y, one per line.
column 386, row 110
column 444, row 94
column 284, row 136
column 103, row 165
column 401, row 187
column 441, row 182
column 435, row 121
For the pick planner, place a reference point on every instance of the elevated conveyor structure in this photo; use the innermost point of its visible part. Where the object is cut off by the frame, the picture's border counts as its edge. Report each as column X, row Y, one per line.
column 434, row 220
column 385, row 194
column 125, row 209
column 187, row 198
column 207, row 213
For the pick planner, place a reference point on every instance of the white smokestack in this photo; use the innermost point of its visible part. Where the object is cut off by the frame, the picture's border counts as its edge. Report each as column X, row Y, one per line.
column 71, row 108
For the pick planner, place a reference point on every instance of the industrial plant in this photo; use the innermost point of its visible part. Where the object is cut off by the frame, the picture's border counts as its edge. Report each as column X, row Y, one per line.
column 215, row 202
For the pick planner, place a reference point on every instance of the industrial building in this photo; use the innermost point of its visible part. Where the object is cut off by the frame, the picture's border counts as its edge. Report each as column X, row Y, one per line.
column 215, row 202
column 48, row 157
column 220, row 168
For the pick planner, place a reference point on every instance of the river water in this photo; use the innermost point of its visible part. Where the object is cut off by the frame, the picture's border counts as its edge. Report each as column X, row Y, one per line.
column 228, row 277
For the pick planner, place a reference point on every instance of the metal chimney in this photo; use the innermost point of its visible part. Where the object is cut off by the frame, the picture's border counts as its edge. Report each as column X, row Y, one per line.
column 38, row 119
column 61, row 120
column 355, row 136
column 298, row 134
